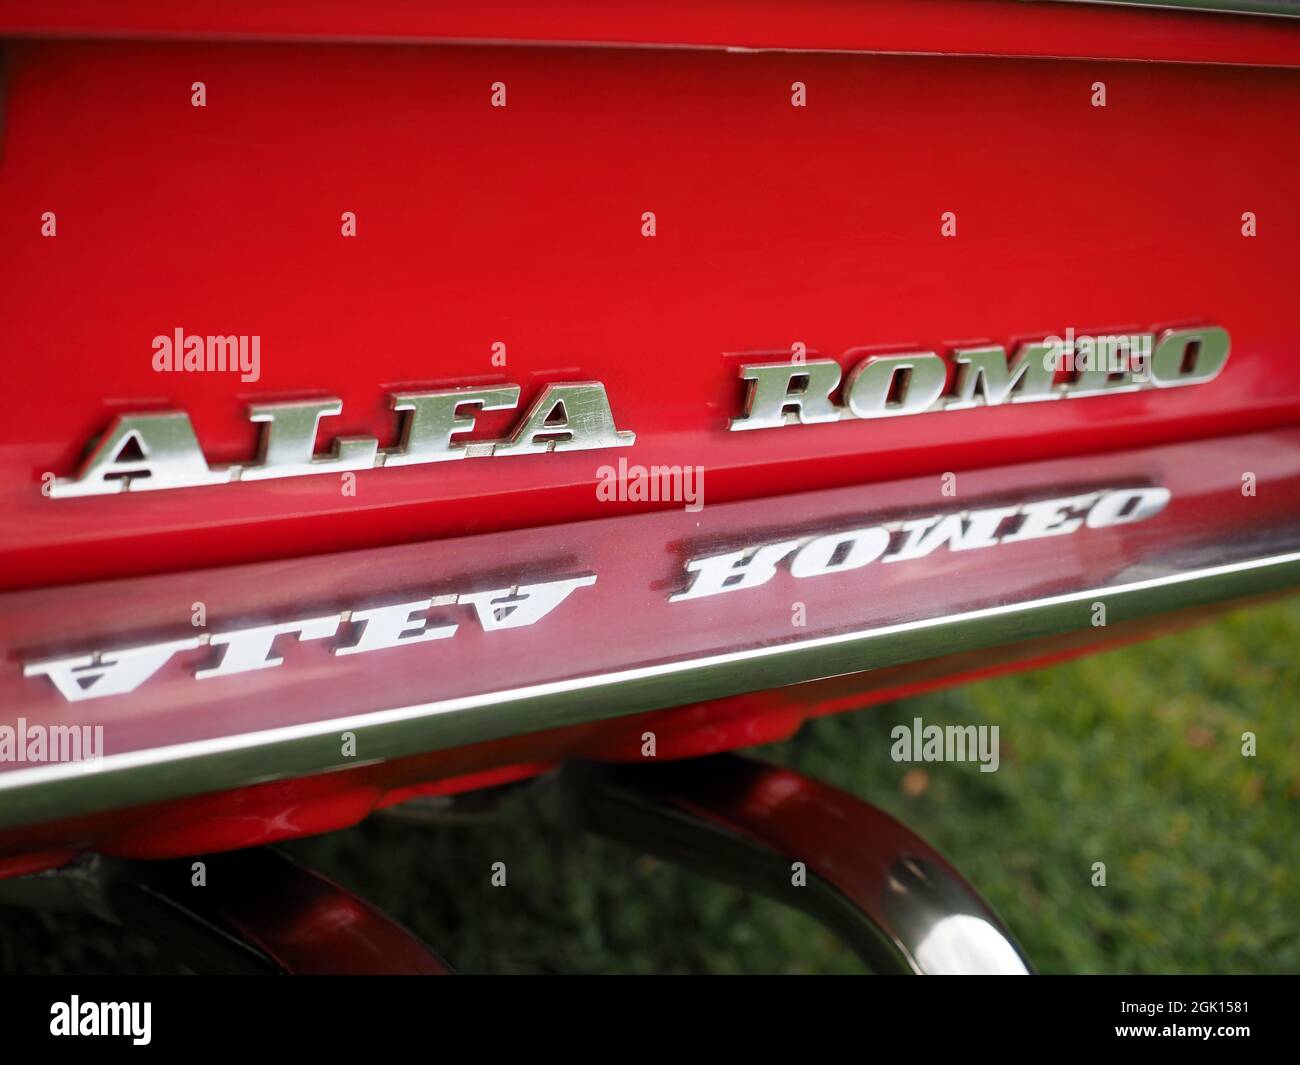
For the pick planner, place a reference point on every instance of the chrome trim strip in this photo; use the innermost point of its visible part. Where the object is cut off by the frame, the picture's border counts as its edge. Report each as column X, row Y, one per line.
column 47, row 793
column 1279, row 8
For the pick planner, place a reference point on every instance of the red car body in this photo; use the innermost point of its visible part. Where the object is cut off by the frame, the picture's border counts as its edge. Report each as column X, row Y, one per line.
column 521, row 229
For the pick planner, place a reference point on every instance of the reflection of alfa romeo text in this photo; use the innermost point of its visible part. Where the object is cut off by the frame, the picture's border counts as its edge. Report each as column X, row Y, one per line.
column 900, row 541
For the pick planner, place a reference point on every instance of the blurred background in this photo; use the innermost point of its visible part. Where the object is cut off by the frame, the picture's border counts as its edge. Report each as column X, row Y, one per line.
column 1131, row 757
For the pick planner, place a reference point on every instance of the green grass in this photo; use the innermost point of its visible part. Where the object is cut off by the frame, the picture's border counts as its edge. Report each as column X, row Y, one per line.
column 1132, row 758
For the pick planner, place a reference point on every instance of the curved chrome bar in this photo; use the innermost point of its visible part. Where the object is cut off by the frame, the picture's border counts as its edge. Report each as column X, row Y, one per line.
column 869, row 878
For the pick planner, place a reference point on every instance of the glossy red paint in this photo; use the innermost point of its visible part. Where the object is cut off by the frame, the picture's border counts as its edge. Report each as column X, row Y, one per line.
column 948, row 27
column 522, row 225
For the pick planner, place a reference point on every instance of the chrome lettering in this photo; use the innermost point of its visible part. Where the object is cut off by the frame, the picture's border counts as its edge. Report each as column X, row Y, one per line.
column 148, row 452
column 886, row 386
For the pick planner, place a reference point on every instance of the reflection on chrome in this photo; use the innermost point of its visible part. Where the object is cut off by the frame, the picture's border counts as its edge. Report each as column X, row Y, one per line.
column 961, row 943
column 936, row 918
